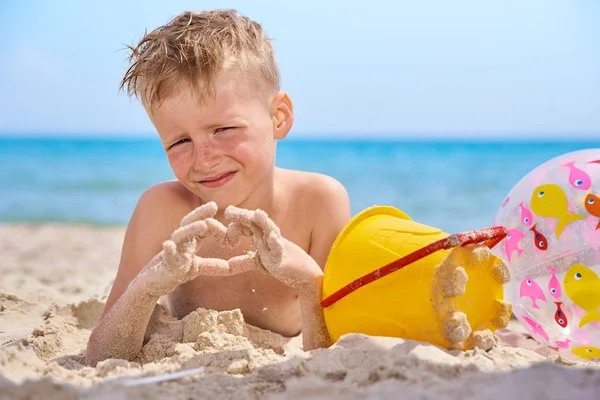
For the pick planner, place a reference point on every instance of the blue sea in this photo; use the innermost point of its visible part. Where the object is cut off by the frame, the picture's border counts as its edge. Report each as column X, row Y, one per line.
column 453, row 185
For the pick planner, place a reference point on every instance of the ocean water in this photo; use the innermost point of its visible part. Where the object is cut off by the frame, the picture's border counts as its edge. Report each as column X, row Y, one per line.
column 454, row 185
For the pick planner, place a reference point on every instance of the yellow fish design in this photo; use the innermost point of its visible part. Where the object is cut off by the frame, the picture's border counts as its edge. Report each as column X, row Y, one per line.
column 550, row 200
column 582, row 286
column 587, row 352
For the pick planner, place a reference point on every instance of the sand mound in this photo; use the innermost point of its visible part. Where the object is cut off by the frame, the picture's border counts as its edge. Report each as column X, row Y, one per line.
column 44, row 328
column 219, row 342
column 231, row 359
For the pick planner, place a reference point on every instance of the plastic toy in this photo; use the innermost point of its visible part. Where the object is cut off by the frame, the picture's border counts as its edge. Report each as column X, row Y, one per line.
column 387, row 275
column 553, row 249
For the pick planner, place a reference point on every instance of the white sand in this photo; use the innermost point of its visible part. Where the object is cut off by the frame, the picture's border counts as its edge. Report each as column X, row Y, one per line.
column 53, row 281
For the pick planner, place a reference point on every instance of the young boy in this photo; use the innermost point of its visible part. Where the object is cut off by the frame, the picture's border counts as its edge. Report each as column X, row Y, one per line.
column 232, row 231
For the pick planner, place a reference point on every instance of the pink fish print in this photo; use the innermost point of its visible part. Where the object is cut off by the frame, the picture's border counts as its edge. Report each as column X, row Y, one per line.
column 536, row 328
column 526, row 216
column 578, row 178
column 530, row 288
column 554, row 285
column 511, row 242
column 563, row 344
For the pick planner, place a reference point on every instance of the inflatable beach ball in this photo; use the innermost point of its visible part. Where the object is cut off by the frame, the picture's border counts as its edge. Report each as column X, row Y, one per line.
column 553, row 249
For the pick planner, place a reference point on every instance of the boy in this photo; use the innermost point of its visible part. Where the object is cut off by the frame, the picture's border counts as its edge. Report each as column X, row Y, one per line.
column 209, row 83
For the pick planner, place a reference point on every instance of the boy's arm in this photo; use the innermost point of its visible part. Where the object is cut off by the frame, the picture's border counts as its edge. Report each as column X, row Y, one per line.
column 120, row 331
column 290, row 264
column 140, row 283
column 334, row 213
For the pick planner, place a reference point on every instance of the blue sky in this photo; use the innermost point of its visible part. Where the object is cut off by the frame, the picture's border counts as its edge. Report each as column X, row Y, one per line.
column 491, row 68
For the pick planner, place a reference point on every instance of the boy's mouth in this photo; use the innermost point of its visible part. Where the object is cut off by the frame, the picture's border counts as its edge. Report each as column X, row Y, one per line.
column 218, row 180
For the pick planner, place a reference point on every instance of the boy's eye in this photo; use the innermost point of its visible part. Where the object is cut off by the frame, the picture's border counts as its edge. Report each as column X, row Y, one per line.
column 186, row 140
column 227, row 128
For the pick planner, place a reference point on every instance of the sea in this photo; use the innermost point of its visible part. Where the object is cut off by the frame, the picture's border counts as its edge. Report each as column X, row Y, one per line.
column 455, row 185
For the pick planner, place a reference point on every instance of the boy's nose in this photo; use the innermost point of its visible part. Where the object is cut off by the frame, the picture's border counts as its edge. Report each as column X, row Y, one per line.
column 206, row 157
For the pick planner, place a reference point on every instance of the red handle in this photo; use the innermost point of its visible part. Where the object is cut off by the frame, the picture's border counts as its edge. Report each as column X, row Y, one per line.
column 489, row 236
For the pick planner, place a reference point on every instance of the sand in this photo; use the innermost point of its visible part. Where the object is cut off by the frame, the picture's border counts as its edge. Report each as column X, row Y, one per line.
column 49, row 304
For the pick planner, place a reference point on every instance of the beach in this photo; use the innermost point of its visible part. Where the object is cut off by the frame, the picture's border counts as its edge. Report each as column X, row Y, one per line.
column 55, row 278
column 474, row 127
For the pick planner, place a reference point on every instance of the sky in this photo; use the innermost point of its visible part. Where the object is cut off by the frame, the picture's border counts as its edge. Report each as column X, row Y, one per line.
column 487, row 69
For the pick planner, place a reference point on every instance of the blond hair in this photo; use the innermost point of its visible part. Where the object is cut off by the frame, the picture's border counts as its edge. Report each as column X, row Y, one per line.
column 195, row 48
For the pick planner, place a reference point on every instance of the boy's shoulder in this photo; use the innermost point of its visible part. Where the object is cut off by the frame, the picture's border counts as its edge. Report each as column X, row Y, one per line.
column 172, row 192
column 314, row 185
column 321, row 196
column 166, row 203
column 323, row 205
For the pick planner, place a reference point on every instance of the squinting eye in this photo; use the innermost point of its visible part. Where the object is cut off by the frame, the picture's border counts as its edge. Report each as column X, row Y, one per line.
column 540, row 194
column 591, row 201
column 227, row 128
column 186, row 140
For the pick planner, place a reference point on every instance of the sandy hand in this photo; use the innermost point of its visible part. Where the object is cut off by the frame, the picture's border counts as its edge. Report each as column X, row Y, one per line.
column 178, row 263
column 282, row 259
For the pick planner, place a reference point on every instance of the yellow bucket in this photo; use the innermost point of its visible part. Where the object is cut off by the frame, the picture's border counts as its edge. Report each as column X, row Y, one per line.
column 419, row 301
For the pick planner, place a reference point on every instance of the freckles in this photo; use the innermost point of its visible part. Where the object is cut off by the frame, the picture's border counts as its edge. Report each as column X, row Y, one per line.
column 203, row 148
column 175, row 159
column 229, row 147
column 182, row 161
column 178, row 162
column 208, row 150
column 232, row 146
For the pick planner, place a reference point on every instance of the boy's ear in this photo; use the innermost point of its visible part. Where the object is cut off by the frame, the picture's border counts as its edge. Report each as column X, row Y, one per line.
column 282, row 114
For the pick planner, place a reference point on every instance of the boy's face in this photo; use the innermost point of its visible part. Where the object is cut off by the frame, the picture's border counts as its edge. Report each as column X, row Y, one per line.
column 223, row 149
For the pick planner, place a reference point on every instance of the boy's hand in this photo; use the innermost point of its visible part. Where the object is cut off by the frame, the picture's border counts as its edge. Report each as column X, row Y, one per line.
column 178, row 263
column 281, row 258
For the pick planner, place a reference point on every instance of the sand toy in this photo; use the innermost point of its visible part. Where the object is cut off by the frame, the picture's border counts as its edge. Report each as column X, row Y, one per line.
column 387, row 275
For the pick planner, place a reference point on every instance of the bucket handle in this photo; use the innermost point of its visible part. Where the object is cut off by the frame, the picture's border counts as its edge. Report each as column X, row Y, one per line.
column 489, row 236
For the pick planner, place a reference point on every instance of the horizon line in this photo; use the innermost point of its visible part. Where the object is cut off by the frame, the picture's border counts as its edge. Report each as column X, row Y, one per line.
column 400, row 136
